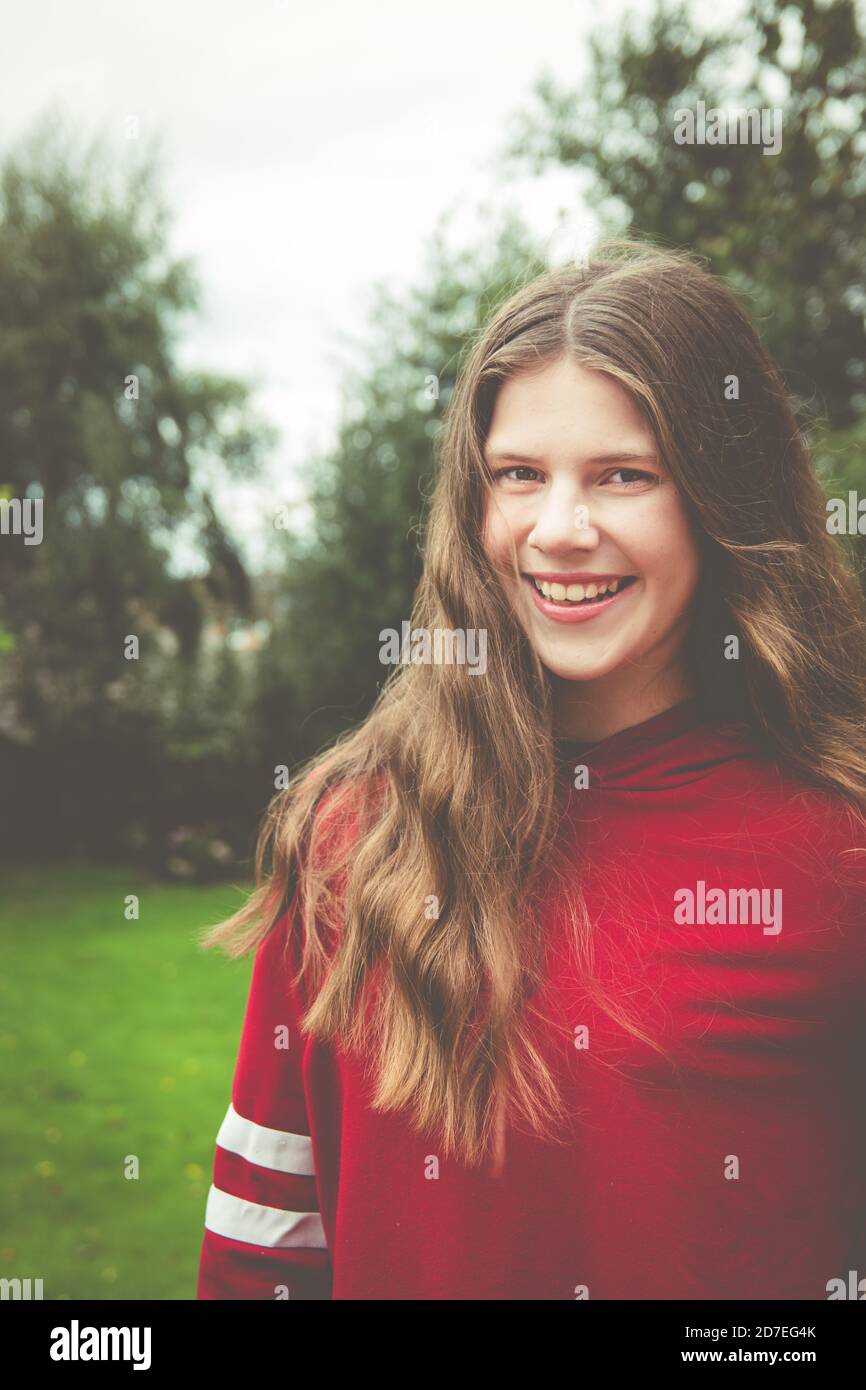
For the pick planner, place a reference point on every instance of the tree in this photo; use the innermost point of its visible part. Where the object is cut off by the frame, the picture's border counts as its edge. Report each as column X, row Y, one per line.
column 100, row 425
column 788, row 231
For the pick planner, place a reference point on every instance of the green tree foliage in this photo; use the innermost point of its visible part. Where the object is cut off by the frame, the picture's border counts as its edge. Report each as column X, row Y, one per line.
column 98, row 420
column 122, row 447
column 788, row 231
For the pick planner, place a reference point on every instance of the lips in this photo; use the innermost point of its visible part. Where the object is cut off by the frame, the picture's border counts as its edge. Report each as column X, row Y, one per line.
column 562, row 611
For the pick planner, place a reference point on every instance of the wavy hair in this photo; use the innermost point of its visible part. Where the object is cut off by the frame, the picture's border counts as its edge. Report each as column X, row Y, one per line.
column 414, row 855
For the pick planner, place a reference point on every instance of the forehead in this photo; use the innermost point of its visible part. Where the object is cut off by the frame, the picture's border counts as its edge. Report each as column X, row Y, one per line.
column 564, row 405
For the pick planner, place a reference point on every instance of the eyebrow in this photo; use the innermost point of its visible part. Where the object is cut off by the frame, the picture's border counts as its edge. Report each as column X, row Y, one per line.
column 616, row 456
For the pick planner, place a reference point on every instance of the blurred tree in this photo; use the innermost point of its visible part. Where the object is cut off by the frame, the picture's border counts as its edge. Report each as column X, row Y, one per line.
column 788, row 231
column 121, row 446
column 97, row 418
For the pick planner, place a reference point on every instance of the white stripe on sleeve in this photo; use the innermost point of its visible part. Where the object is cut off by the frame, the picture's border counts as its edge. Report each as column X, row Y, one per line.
column 257, row 1225
column 268, row 1148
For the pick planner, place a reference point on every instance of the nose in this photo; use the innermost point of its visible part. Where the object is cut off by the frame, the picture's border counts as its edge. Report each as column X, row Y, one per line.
column 563, row 523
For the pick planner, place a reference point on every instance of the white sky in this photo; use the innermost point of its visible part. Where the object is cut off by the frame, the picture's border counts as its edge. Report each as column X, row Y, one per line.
column 310, row 149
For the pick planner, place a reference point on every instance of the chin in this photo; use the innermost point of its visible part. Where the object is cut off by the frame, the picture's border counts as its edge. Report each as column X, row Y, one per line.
column 571, row 671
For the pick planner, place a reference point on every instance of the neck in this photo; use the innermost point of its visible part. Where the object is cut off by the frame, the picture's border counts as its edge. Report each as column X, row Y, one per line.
column 590, row 711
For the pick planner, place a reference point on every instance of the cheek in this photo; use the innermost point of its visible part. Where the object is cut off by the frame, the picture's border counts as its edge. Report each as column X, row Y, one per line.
column 497, row 536
column 670, row 553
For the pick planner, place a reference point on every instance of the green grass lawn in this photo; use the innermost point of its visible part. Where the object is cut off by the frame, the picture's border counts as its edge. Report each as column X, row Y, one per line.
column 117, row 1039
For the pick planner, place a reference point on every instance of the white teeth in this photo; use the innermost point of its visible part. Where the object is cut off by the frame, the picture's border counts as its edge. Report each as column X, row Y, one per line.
column 575, row 593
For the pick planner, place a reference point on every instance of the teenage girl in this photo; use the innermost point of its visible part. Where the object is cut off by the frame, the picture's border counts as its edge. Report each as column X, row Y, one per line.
column 561, row 965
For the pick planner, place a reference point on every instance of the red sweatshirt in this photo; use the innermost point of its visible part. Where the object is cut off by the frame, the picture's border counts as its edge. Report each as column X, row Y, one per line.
column 731, row 928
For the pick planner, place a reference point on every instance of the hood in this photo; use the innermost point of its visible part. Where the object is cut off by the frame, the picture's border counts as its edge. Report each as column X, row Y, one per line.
column 671, row 749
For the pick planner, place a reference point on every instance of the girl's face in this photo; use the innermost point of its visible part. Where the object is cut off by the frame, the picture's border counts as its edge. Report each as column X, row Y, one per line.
column 581, row 497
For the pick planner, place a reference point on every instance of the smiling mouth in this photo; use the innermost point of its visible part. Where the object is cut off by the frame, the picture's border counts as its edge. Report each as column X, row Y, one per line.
column 579, row 595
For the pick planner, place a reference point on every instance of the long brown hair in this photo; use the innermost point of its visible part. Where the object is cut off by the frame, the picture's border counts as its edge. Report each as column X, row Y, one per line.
column 447, row 794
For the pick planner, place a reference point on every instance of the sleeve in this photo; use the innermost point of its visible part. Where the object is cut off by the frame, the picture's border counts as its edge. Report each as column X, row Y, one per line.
column 263, row 1234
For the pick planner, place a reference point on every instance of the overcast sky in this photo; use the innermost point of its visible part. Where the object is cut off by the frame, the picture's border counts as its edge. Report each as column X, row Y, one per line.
column 310, row 149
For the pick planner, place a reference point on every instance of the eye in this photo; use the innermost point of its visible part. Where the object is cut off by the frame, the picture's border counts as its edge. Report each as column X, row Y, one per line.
column 635, row 477
column 515, row 468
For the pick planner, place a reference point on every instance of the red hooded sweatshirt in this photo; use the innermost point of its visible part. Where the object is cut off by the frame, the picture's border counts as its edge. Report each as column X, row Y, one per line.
column 729, row 928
